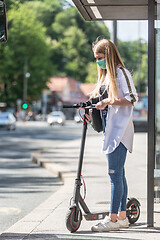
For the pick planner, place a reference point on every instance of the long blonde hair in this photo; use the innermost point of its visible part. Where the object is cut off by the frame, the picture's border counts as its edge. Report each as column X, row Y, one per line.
column 112, row 60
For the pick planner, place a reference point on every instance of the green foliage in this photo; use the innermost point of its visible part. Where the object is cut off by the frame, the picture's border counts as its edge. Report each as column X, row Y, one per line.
column 140, row 76
column 45, row 12
column 76, row 52
column 26, row 43
column 74, row 38
column 71, row 17
column 92, row 73
column 135, row 56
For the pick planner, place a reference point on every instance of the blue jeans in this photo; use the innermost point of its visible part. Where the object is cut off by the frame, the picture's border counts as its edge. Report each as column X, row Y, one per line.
column 119, row 190
column 116, row 161
column 104, row 115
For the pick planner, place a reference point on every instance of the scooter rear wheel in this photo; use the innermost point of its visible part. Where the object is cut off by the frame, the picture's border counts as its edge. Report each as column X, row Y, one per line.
column 133, row 209
column 71, row 223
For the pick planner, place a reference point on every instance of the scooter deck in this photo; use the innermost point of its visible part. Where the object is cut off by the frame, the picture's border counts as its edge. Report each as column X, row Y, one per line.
column 95, row 216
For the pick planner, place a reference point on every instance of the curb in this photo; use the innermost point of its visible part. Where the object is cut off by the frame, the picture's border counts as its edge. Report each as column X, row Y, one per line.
column 56, row 169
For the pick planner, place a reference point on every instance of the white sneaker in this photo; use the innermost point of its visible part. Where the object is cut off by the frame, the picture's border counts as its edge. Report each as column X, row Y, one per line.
column 105, row 226
column 123, row 223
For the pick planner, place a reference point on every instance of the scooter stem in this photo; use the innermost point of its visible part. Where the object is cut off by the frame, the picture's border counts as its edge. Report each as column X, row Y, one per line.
column 82, row 146
column 77, row 186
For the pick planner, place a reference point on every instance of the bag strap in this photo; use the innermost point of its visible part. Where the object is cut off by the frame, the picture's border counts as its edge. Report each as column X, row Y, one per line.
column 129, row 86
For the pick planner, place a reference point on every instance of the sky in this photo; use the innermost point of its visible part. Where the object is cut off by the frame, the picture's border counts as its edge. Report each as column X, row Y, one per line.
column 130, row 30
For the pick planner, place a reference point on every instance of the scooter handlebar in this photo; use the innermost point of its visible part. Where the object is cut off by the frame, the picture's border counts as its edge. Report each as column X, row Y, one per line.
column 72, row 106
column 81, row 105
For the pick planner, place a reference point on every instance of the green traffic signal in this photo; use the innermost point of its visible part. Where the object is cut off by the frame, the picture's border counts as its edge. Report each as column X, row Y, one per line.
column 24, row 106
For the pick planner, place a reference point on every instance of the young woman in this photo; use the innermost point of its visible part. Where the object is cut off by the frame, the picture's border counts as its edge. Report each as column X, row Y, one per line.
column 114, row 78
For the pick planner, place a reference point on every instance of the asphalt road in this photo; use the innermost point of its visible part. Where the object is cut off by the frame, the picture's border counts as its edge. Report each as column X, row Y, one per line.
column 24, row 185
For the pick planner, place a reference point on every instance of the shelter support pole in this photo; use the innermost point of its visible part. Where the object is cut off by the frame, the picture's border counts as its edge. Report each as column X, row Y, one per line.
column 115, row 32
column 151, row 114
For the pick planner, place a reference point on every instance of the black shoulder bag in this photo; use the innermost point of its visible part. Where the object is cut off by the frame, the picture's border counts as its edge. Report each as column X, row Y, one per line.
column 96, row 114
column 96, row 117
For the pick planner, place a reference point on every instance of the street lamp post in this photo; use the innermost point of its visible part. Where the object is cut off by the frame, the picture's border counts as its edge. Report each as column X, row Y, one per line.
column 25, row 82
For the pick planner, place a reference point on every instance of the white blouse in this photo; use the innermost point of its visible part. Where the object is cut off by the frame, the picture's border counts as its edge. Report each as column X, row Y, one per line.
column 119, row 123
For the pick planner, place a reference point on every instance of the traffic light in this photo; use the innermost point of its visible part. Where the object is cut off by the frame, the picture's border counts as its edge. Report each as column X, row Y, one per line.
column 25, row 106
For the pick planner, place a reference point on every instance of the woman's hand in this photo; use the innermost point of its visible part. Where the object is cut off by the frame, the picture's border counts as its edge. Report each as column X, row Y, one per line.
column 88, row 116
column 102, row 104
column 117, row 101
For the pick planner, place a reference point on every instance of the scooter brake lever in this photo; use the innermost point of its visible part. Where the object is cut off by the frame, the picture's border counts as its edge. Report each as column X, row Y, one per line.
column 82, row 105
column 91, row 106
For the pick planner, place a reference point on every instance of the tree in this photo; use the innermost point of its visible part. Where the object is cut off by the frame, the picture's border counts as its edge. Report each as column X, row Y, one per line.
column 45, row 11
column 140, row 76
column 92, row 73
column 65, row 26
column 26, row 44
column 76, row 52
column 71, row 17
column 73, row 42
column 134, row 54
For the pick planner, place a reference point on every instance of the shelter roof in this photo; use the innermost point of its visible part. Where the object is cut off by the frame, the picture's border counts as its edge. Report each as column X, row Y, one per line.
column 113, row 9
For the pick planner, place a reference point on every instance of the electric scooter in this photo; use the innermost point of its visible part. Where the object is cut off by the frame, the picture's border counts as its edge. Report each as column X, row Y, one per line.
column 74, row 214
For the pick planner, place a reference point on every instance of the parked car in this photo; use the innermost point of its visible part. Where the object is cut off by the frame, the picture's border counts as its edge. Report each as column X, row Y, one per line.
column 140, row 117
column 7, row 120
column 77, row 118
column 56, row 117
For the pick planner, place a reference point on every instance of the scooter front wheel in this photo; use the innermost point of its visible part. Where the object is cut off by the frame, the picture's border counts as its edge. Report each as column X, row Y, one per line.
column 73, row 219
column 133, row 210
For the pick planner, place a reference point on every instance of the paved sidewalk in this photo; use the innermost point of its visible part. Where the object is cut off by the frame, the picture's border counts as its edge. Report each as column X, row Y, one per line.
column 47, row 221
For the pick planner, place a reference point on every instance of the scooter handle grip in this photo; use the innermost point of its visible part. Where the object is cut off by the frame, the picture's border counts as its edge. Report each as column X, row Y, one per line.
column 71, row 106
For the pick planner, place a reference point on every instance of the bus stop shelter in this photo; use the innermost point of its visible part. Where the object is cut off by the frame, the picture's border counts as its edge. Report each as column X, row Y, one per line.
column 100, row 10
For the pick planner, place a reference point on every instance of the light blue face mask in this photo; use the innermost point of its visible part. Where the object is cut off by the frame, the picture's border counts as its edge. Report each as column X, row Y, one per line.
column 102, row 63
